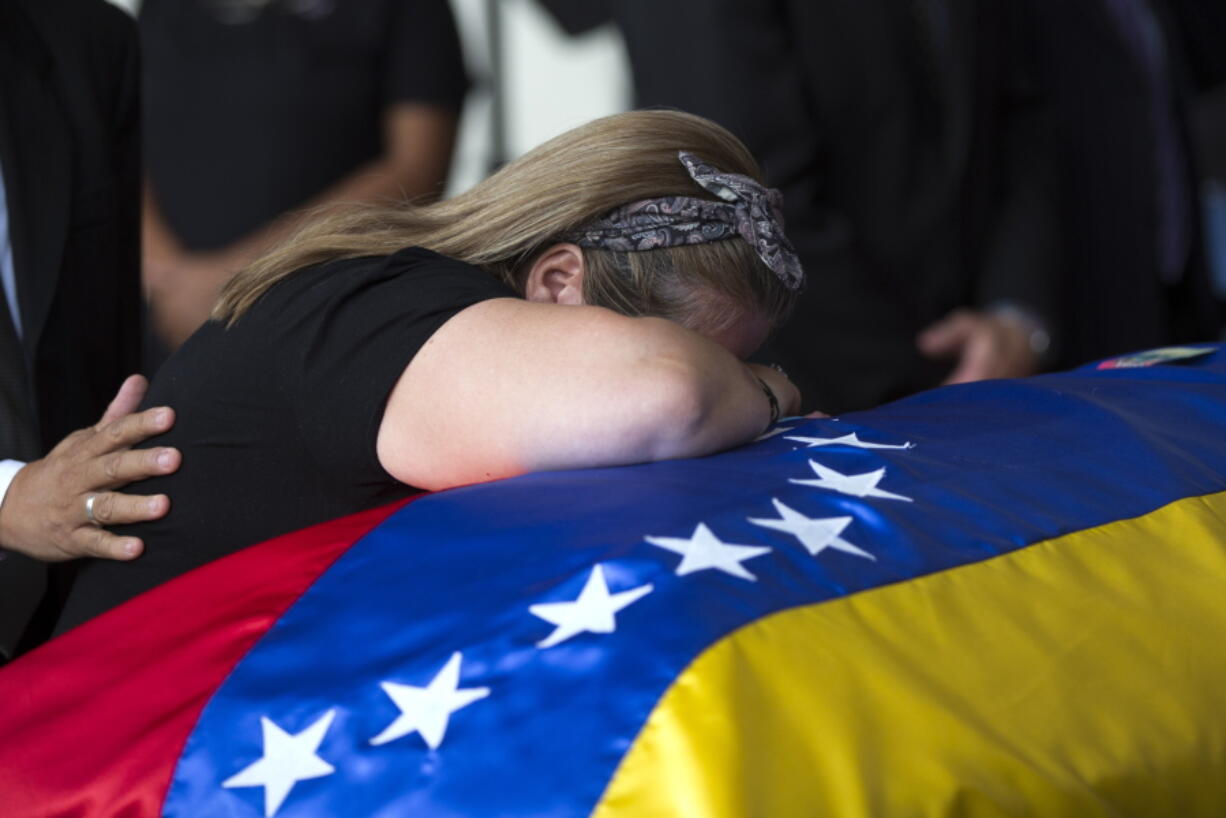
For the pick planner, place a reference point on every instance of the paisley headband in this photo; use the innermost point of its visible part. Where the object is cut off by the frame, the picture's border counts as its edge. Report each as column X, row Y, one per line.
column 748, row 210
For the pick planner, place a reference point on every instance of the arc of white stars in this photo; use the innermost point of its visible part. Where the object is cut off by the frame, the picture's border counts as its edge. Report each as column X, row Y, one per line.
column 427, row 710
column 287, row 760
column 594, row 611
column 857, row 485
column 704, row 551
column 815, row 534
column 848, row 440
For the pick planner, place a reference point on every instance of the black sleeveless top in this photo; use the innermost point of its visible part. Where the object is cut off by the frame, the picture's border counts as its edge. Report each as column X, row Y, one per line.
column 277, row 416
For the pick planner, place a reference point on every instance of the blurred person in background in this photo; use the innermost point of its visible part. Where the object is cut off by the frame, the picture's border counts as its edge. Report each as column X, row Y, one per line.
column 1119, row 76
column 915, row 161
column 69, row 305
column 1211, row 151
column 258, row 108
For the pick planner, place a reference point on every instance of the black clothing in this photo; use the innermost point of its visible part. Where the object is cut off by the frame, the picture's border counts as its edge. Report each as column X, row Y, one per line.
column 1102, row 94
column 70, row 154
column 248, row 119
column 69, row 144
column 909, row 151
column 278, row 415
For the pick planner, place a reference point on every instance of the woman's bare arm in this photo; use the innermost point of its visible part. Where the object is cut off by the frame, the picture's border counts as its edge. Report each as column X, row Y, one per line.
column 508, row 386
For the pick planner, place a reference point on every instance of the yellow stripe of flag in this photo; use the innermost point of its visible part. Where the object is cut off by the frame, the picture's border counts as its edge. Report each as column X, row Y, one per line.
column 1077, row 677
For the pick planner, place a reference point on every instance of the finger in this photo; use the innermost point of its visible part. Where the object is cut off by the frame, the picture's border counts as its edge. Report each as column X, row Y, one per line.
column 113, row 508
column 978, row 363
column 946, row 336
column 130, row 430
column 89, row 541
column 116, row 469
column 131, row 393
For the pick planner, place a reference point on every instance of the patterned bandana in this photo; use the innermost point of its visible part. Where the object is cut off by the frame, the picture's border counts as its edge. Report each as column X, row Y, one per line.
column 748, row 210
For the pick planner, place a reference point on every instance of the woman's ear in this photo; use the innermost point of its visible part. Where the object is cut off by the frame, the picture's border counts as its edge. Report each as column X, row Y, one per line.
column 556, row 277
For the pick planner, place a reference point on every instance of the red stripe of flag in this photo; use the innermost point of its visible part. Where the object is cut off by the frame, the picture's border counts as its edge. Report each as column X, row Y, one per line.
column 92, row 723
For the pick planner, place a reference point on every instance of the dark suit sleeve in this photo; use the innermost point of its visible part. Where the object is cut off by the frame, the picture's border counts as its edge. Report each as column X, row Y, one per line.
column 1022, row 262
column 127, row 128
column 90, row 338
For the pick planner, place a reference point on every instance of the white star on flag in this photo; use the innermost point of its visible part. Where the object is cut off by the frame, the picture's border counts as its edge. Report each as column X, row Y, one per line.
column 593, row 611
column 287, row 760
column 704, row 550
column 848, row 440
column 857, row 485
column 427, row 710
column 815, row 534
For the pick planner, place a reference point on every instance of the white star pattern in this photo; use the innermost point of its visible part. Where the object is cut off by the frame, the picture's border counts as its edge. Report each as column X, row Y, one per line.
column 848, row 440
column 857, row 485
column 287, row 760
column 815, row 534
column 704, row 550
column 594, row 611
column 427, row 710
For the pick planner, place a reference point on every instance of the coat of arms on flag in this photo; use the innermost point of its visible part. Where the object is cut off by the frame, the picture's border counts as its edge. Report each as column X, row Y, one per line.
column 1003, row 598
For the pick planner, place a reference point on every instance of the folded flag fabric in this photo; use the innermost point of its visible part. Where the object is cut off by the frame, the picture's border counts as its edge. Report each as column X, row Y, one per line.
column 1005, row 598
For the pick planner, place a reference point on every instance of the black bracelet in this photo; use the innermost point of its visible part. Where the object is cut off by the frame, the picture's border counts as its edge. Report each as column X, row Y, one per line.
column 770, row 396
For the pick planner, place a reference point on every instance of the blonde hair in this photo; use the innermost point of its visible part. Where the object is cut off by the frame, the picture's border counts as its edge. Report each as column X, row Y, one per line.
column 532, row 203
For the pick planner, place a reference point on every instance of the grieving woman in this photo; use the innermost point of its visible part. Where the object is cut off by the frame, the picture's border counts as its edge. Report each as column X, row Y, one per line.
column 591, row 304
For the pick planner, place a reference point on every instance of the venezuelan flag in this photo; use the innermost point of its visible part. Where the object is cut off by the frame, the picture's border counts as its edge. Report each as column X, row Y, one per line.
column 1000, row 599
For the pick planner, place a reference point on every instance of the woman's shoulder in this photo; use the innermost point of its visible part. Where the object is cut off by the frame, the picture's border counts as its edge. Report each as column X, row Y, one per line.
column 421, row 259
column 407, row 264
column 412, row 272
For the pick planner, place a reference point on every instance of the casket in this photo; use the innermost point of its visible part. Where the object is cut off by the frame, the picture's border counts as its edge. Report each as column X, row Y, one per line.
column 999, row 599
